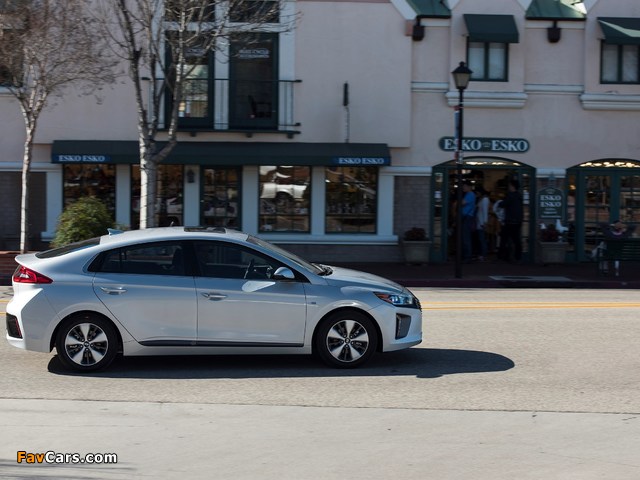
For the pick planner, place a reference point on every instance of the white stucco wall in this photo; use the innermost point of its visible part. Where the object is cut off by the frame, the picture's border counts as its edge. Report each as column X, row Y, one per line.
column 364, row 45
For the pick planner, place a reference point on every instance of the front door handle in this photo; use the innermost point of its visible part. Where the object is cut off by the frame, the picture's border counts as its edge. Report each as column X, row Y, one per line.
column 215, row 297
column 113, row 291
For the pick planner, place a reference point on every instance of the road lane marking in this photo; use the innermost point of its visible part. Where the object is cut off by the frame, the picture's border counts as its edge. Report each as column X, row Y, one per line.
column 521, row 306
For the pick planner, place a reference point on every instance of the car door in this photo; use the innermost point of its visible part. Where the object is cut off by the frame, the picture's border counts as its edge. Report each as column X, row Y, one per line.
column 149, row 290
column 239, row 303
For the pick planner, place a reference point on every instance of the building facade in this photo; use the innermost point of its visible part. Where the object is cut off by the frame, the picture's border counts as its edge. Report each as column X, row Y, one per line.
column 335, row 137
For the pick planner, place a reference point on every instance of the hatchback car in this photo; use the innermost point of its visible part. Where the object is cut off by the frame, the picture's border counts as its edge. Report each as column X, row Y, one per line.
column 180, row 290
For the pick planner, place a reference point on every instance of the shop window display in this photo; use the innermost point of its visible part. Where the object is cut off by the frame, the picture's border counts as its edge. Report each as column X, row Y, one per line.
column 220, row 201
column 351, row 199
column 285, row 194
column 96, row 180
column 169, row 199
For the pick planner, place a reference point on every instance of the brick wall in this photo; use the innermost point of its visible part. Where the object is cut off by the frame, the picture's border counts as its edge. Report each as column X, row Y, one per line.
column 412, row 204
column 11, row 187
column 7, row 266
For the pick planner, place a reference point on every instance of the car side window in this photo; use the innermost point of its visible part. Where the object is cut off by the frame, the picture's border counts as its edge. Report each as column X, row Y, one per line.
column 225, row 260
column 166, row 258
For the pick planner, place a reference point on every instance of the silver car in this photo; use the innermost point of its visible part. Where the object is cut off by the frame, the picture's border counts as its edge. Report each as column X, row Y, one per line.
column 180, row 290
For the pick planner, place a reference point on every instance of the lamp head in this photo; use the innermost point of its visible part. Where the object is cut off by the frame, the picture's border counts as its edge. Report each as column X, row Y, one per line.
column 461, row 76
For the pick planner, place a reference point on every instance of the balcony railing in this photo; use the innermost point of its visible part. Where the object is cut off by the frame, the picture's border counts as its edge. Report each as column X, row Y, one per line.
column 237, row 105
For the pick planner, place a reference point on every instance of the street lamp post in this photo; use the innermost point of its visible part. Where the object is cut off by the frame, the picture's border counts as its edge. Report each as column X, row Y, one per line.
column 461, row 77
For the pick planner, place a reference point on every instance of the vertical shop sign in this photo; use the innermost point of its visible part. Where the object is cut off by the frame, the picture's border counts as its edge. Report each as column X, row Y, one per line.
column 550, row 203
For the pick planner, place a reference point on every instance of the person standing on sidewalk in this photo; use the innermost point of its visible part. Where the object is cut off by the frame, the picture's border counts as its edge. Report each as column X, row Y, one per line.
column 513, row 216
column 468, row 220
column 482, row 220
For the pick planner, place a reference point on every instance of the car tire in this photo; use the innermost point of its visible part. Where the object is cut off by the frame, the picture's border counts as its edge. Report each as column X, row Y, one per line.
column 346, row 339
column 86, row 343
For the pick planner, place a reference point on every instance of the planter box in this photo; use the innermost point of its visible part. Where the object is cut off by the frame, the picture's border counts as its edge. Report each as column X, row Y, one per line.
column 416, row 252
column 552, row 252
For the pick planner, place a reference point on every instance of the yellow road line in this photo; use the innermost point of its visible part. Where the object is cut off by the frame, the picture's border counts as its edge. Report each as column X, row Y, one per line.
column 522, row 306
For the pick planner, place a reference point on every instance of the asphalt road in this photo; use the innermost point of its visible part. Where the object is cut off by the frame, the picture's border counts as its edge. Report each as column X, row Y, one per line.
column 526, row 384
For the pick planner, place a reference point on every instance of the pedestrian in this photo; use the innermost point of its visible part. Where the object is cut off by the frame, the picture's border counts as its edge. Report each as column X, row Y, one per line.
column 482, row 222
column 513, row 217
column 468, row 219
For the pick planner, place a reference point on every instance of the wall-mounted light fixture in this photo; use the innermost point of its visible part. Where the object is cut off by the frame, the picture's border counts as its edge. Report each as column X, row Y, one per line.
column 417, row 32
column 191, row 176
column 554, row 32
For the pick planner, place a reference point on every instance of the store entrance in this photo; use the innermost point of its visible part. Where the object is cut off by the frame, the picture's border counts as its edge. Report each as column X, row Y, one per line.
column 486, row 173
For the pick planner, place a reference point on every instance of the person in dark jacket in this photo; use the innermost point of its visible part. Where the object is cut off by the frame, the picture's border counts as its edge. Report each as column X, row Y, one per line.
column 513, row 217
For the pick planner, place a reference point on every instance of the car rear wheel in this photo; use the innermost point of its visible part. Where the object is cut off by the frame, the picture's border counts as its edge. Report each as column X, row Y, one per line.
column 346, row 339
column 86, row 343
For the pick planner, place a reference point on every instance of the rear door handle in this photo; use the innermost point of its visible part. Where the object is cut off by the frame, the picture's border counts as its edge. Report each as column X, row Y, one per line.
column 113, row 291
column 215, row 297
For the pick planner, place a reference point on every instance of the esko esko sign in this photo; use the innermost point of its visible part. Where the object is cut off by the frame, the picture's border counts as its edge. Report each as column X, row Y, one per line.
column 471, row 144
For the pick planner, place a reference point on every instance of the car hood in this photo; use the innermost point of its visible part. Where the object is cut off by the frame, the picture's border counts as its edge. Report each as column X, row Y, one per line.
column 347, row 277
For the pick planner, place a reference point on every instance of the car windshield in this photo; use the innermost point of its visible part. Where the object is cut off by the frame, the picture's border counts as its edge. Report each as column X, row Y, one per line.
column 72, row 247
column 290, row 256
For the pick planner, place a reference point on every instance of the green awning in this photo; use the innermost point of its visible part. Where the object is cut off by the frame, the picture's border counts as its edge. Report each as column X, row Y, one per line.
column 430, row 8
column 226, row 153
column 620, row 30
column 492, row 28
column 554, row 10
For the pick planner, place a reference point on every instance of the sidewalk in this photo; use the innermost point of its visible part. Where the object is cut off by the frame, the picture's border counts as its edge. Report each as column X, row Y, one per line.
column 487, row 275
column 502, row 274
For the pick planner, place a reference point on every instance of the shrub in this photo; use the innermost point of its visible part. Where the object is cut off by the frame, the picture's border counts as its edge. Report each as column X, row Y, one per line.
column 86, row 218
column 549, row 234
column 415, row 234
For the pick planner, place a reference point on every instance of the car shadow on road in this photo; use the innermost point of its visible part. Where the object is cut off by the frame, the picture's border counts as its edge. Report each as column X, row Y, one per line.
column 417, row 362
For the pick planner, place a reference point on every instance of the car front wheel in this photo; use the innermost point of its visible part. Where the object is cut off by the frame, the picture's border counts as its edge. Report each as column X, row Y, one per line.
column 86, row 343
column 346, row 339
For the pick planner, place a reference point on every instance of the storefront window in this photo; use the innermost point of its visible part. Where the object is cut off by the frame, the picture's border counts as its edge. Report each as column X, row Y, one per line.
column 168, row 199
column 220, row 202
column 90, row 181
column 285, row 194
column 351, row 199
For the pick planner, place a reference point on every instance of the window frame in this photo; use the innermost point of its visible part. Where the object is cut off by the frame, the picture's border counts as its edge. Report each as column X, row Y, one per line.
column 619, row 64
column 338, row 216
column 486, row 60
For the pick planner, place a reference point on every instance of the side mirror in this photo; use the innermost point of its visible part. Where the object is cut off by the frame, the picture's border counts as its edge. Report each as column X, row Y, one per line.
column 283, row 273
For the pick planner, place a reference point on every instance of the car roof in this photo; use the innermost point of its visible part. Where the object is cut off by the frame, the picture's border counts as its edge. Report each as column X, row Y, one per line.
column 116, row 237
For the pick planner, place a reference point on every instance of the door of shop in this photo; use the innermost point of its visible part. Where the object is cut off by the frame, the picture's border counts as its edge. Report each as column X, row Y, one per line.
column 601, row 193
column 490, row 173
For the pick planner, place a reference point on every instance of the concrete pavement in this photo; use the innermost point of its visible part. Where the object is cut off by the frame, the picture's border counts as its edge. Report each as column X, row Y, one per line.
column 165, row 440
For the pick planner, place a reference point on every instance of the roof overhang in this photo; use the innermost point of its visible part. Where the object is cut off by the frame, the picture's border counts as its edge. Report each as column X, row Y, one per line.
column 225, row 153
column 492, row 28
column 620, row 30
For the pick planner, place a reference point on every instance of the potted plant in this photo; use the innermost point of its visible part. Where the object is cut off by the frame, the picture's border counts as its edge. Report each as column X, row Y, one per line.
column 416, row 245
column 552, row 247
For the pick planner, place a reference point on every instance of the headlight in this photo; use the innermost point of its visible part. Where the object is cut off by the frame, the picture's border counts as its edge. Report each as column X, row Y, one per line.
column 398, row 299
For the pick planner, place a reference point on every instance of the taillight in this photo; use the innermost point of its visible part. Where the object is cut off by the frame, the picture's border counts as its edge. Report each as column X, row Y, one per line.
column 26, row 275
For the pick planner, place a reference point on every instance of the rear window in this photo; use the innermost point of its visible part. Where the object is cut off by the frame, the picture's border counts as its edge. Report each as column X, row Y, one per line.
column 72, row 247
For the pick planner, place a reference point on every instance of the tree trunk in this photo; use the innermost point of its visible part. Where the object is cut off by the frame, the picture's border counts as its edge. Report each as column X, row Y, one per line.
column 148, row 187
column 24, row 199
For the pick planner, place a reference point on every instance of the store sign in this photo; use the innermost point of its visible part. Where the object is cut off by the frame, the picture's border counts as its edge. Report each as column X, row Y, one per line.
column 361, row 161
column 471, row 144
column 550, row 203
column 60, row 158
column 252, row 53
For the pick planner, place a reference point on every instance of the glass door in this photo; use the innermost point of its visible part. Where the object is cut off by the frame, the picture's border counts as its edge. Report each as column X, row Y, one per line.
column 599, row 197
column 253, row 93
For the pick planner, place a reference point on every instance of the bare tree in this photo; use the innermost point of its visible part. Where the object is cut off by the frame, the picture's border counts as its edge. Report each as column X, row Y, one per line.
column 45, row 47
column 158, row 39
